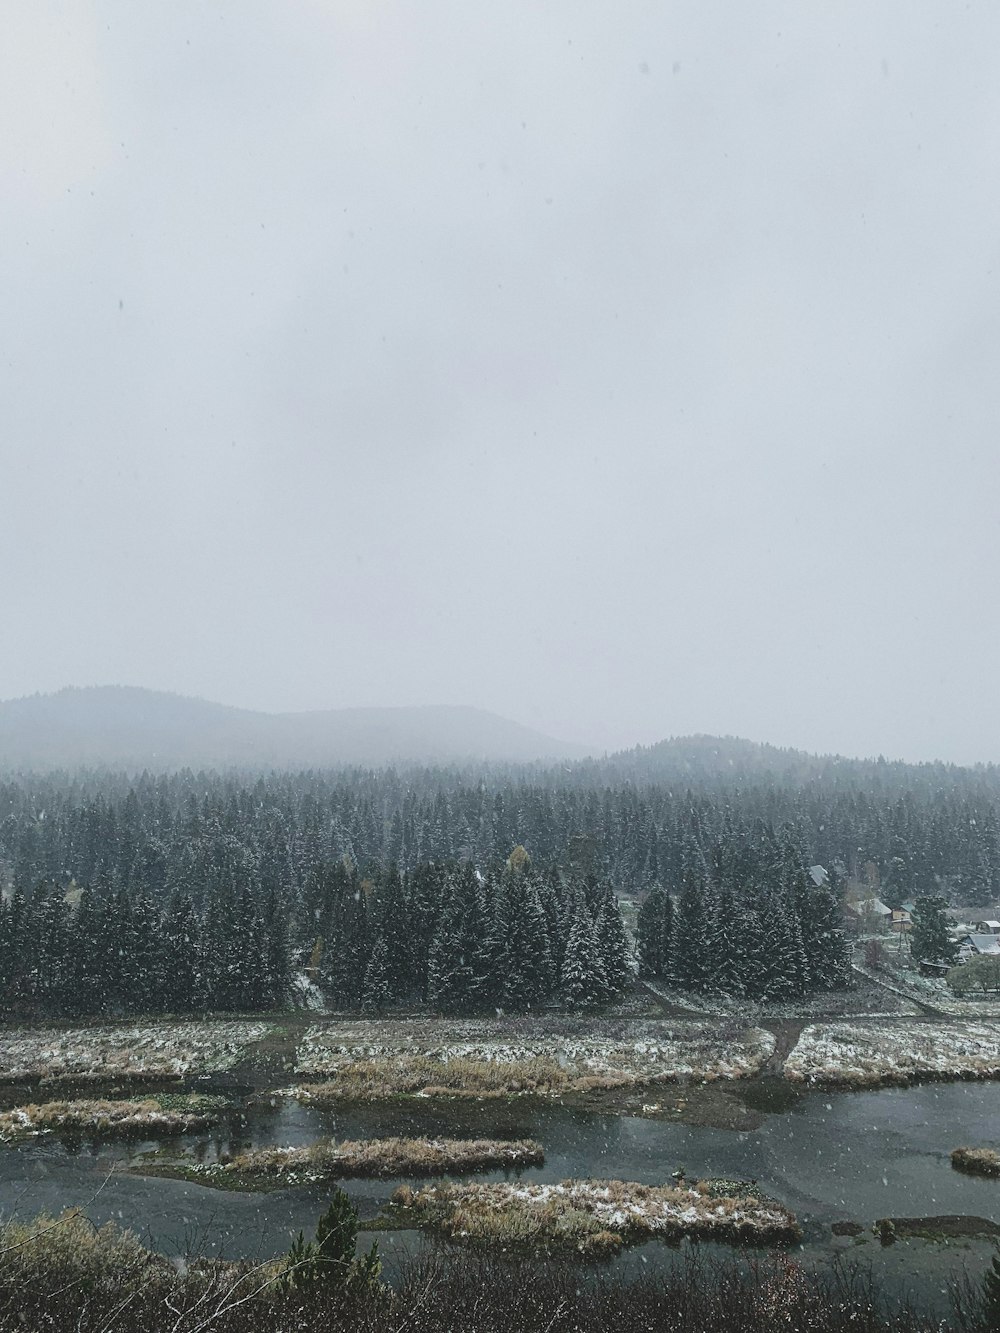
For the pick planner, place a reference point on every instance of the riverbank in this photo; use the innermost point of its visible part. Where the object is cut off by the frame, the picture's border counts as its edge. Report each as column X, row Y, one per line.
column 883, row 1054
column 161, row 1051
column 550, row 1054
column 63, row 1273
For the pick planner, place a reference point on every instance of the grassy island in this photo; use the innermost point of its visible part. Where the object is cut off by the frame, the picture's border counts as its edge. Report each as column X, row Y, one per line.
column 596, row 1217
column 976, row 1161
column 276, row 1168
column 177, row 1114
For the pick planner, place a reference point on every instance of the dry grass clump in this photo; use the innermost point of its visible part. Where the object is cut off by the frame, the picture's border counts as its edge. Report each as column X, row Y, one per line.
column 595, row 1216
column 329, row 1160
column 976, row 1161
column 71, row 1251
column 362, row 1080
column 103, row 1117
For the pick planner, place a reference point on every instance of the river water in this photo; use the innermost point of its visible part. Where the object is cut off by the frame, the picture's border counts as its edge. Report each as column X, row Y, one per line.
column 828, row 1156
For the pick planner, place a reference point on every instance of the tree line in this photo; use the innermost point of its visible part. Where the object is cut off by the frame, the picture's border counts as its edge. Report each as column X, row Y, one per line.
column 746, row 920
column 906, row 830
column 451, row 937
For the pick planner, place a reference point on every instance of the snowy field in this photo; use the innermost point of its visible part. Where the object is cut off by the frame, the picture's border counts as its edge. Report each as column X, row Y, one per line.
column 856, row 1055
column 97, row 1053
column 626, row 1051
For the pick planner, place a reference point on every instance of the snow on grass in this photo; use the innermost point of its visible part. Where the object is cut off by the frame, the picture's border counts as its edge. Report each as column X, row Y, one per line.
column 95, row 1054
column 856, row 1055
column 329, row 1160
column 105, row 1117
column 486, row 1057
column 596, row 1216
column 904, row 976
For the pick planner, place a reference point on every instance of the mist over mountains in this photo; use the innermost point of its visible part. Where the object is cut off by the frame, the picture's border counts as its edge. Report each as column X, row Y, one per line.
column 133, row 728
column 130, row 728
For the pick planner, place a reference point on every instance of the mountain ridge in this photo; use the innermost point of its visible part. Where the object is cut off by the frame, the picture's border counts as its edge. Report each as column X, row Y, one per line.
column 133, row 727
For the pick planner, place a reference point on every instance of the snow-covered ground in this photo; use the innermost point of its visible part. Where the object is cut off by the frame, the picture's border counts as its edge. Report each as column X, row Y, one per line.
column 870, row 1054
column 901, row 973
column 633, row 1051
column 867, row 1001
column 97, row 1053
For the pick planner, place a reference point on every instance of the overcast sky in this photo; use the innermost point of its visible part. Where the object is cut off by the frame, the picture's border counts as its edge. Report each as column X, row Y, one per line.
column 630, row 370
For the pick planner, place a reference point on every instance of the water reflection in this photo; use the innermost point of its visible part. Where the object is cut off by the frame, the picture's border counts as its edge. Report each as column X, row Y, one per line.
column 829, row 1157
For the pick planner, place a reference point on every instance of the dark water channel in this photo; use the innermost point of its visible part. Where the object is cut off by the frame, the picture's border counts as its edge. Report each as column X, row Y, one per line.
column 829, row 1157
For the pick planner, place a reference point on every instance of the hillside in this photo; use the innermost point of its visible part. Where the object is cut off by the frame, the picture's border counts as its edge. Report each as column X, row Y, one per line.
column 716, row 762
column 119, row 726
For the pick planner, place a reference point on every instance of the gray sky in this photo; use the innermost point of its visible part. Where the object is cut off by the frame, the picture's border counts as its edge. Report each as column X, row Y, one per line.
column 627, row 369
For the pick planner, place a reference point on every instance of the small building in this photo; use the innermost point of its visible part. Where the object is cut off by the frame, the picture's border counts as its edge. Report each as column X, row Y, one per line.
column 868, row 913
column 820, row 876
column 969, row 946
column 988, row 927
column 902, row 922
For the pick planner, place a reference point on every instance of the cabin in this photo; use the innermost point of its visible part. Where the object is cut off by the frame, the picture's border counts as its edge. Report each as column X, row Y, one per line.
column 902, row 922
column 988, row 927
column 971, row 945
column 868, row 914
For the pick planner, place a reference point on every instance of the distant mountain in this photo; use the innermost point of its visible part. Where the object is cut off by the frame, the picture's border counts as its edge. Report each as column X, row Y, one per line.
column 705, row 762
column 126, row 727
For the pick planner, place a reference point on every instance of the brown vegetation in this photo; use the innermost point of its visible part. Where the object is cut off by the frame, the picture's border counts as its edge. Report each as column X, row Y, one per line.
column 106, row 1117
column 330, row 1160
column 273, row 1168
column 65, row 1274
column 364, row 1080
column 976, row 1161
column 596, row 1217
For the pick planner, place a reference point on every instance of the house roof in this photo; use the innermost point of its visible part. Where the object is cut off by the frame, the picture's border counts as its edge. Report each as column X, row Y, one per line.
column 819, row 875
column 874, row 905
column 993, row 925
column 983, row 943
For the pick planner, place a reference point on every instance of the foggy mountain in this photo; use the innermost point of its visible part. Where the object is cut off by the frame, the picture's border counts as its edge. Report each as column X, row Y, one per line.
column 721, row 762
column 129, row 727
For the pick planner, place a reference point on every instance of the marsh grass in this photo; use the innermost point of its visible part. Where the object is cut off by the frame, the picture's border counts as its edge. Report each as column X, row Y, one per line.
column 274, row 1168
column 330, row 1160
column 386, row 1058
column 179, row 1114
column 595, row 1217
column 976, row 1161
column 371, row 1079
column 65, row 1274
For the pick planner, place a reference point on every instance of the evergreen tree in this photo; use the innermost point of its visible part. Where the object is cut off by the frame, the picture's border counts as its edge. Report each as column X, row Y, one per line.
column 689, row 962
column 583, row 982
column 650, row 933
column 929, row 939
column 376, row 993
column 613, row 950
